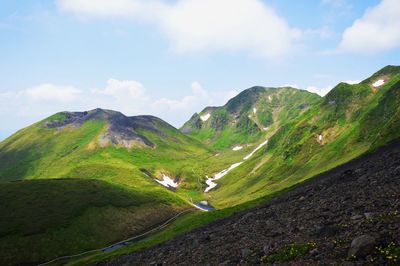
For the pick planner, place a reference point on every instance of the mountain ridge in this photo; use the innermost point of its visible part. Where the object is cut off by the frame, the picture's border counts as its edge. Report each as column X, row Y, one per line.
column 292, row 135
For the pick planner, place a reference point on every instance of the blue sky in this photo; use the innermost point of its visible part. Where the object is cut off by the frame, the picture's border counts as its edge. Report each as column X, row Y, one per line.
column 173, row 58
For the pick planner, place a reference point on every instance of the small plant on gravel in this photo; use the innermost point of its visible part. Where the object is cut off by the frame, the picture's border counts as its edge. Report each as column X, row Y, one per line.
column 339, row 242
column 391, row 253
column 289, row 252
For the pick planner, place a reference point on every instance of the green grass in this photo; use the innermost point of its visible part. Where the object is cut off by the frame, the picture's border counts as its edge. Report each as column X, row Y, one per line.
column 353, row 119
column 183, row 224
column 51, row 218
column 235, row 122
column 293, row 154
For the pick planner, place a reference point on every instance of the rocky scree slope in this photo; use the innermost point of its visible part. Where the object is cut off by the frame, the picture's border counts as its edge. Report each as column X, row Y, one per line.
column 347, row 216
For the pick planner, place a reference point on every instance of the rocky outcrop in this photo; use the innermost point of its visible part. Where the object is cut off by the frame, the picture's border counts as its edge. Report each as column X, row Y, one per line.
column 122, row 130
column 347, row 216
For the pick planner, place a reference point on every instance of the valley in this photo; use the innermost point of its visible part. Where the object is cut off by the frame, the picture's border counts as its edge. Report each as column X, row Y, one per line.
column 96, row 177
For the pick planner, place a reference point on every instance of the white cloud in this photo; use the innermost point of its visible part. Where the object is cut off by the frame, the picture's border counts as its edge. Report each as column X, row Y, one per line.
column 123, row 89
column 20, row 108
column 198, row 25
column 196, row 101
column 202, row 25
column 322, row 33
column 50, row 92
column 321, row 91
column 142, row 9
column 352, row 82
column 377, row 30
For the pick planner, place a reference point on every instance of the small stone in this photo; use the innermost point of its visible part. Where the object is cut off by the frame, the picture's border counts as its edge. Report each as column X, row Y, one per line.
column 227, row 262
column 302, row 198
column 245, row 252
column 269, row 249
column 361, row 246
column 349, row 172
column 356, row 217
column 369, row 215
column 314, row 252
column 196, row 242
column 327, row 231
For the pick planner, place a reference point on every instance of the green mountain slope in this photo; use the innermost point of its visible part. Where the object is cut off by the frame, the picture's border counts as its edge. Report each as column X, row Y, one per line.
column 250, row 116
column 44, row 219
column 349, row 121
column 101, row 170
column 127, row 154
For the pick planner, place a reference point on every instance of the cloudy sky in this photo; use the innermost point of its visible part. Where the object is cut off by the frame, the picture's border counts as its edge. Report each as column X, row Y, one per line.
column 171, row 58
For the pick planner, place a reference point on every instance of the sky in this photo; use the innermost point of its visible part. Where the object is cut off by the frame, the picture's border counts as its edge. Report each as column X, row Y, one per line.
column 172, row 58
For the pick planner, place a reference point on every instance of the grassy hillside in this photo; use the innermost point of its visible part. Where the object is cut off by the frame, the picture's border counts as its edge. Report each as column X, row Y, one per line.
column 43, row 219
column 250, row 116
column 349, row 121
column 105, row 155
column 92, row 170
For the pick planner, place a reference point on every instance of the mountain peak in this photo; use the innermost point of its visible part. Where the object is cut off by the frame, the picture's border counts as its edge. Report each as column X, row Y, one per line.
column 249, row 115
column 121, row 130
column 384, row 74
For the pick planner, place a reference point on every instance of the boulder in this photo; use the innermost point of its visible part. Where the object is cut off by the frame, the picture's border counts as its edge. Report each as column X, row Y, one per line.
column 361, row 246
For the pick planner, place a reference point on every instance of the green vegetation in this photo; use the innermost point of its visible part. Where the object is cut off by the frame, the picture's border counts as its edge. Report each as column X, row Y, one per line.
column 351, row 120
column 84, row 184
column 249, row 117
column 391, row 253
column 289, row 252
column 183, row 224
column 43, row 219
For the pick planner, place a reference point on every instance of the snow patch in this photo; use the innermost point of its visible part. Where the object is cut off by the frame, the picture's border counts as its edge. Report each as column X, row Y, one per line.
column 254, row 110
column 210, row 180
column 205, row 117
column 167, row 182
column 320, row 138
column 255, row 150
column 378, row 83
column 237, row 148
column 269, row 98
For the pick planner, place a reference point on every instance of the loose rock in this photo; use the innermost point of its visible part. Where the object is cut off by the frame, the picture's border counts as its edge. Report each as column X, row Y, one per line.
column 362, row 246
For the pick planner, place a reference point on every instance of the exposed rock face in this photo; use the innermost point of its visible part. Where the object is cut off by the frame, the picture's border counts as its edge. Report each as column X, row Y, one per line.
column 318, row 211
column 122, row 130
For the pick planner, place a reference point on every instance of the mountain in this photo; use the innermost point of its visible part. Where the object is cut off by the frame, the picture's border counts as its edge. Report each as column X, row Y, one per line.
column 248, row 117
column 71, row 144
column 99, row 175
column 349, row 121
column 347, row 216
column 104, row 176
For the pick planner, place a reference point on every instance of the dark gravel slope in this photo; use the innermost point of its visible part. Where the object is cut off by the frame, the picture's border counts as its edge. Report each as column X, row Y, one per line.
column 317, row 221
